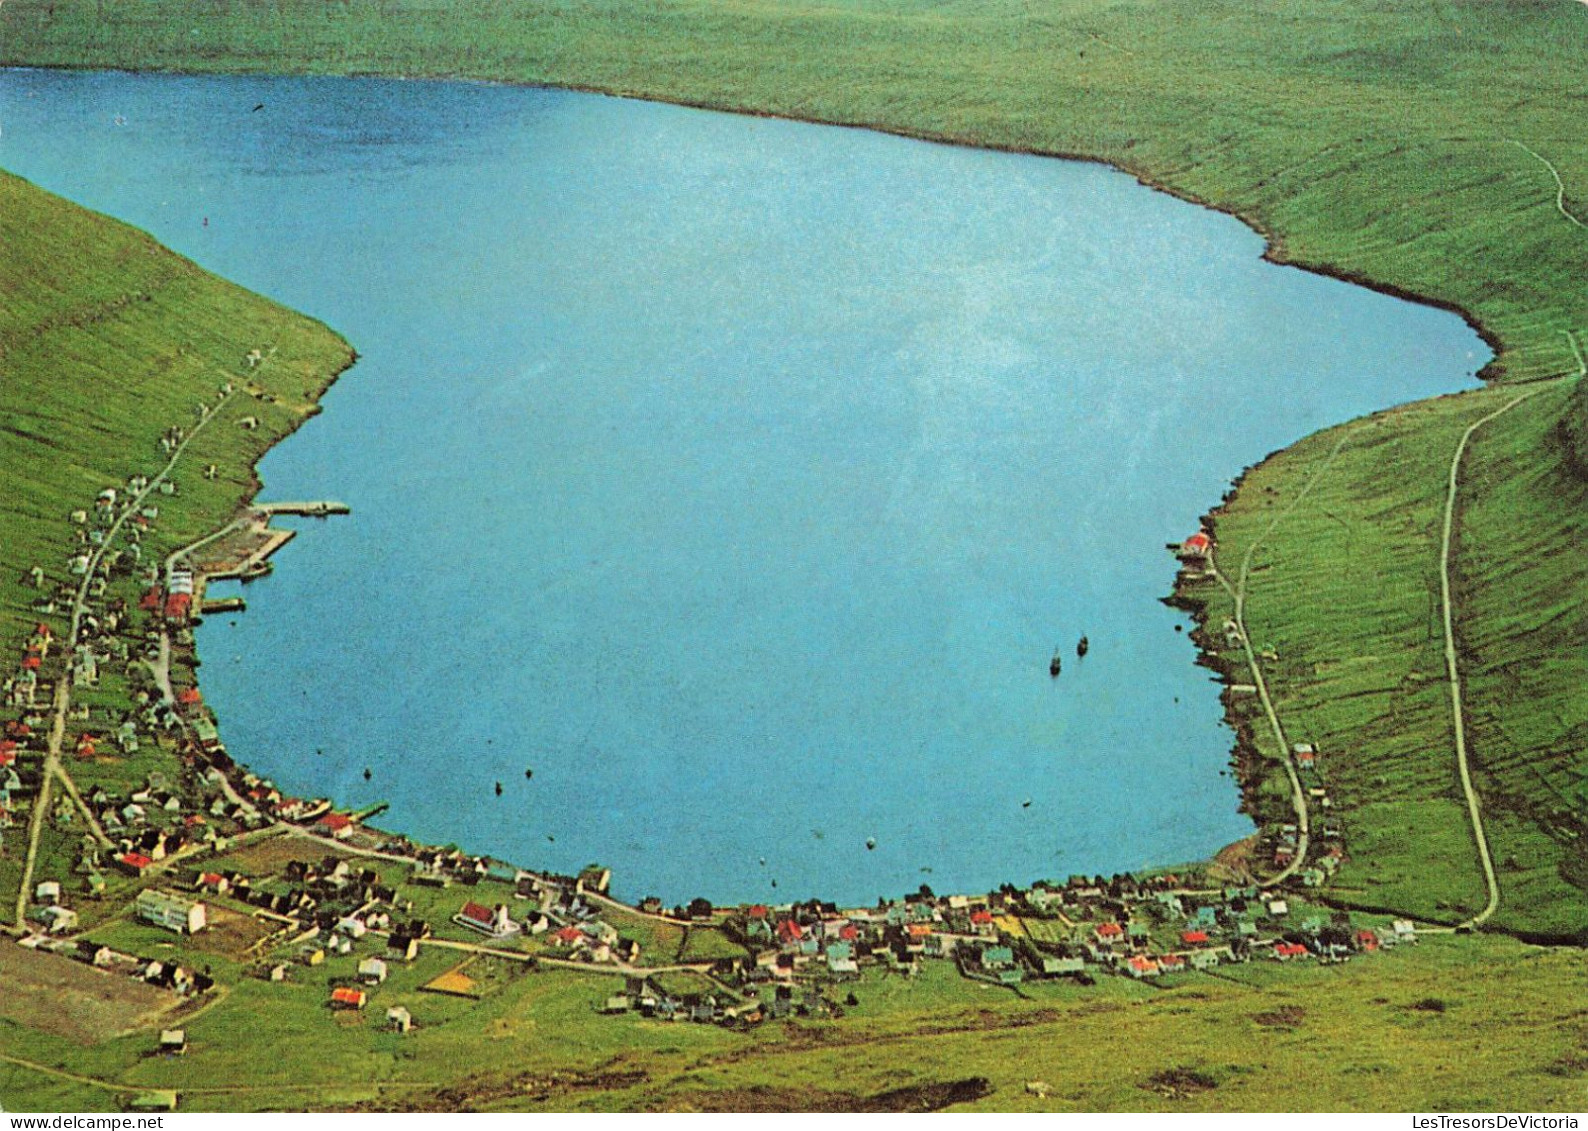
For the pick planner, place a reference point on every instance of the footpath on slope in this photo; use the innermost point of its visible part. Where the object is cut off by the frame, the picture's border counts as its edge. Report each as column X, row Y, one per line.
column 1452, row 668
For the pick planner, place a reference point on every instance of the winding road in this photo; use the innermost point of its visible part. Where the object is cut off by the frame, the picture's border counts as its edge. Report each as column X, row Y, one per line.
column 1237, row 592
column 1452, row 669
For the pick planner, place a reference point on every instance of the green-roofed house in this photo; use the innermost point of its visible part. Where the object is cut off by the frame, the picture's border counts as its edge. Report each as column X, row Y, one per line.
column 997, row 957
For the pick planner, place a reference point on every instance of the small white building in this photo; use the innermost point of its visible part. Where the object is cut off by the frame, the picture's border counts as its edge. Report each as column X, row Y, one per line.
column 372, row 971
column 60, row 920
column 174, row 913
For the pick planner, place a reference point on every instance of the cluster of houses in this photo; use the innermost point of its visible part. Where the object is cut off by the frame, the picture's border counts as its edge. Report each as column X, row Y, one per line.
column 648, row 998
column 328, row 909
column 1087, row 927
column 102, row 637
column 21, row 691
column 560, row 912
column 164, row 973
column 1281, row 843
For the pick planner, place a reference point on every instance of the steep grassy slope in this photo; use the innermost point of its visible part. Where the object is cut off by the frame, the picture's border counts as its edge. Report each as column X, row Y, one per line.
column 1412, row 144
column 1344, row 591
column 1520, row 585
column 106, row 340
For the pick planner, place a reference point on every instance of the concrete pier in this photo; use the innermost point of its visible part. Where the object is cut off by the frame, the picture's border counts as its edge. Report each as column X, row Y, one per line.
column 320, row 509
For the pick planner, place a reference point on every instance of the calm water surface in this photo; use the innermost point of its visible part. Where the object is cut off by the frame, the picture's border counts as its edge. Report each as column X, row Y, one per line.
column 738, row 477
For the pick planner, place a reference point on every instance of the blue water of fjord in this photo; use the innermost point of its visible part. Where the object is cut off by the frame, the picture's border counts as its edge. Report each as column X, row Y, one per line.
column 738, row 477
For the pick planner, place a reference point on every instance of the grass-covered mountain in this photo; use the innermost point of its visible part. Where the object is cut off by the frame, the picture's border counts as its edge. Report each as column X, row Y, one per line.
column 106, row 340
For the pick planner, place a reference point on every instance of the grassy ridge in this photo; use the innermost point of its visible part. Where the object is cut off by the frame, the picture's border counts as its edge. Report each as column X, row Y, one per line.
column 1376, row 141
column 1519, row 584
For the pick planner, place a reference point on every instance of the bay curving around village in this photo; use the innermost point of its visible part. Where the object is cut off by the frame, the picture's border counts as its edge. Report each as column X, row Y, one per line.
column 956, row 334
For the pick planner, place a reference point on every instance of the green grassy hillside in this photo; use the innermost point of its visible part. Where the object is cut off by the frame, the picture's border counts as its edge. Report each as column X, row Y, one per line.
column 1381, row 141
column 106, row 340
column 1344, row 592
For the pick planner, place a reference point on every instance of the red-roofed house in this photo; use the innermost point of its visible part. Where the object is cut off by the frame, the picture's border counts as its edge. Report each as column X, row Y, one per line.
column 338, row 825
column 189, row 696
column 178, row 605
column 476, row 915
column 1367, row 940
column 1194, row 938
column 788, row 931
column 30, row 663
column 8, row 752
column 134, row 863
column 1285, row 951
column 150, row 601
column 569, row 936
column 1171, row 962
column 1196, row 546
column 759, row 911
column 1108, row 933
column 346, row 997
column 1141, row 966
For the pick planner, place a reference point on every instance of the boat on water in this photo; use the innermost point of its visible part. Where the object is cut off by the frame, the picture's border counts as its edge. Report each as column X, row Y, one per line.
column 1083, row 646
column 1055, row 664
